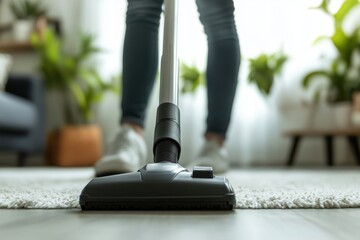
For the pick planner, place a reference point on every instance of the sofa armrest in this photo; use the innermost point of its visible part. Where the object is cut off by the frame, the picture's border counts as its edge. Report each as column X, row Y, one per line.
column 30, row 88
column 17, row 114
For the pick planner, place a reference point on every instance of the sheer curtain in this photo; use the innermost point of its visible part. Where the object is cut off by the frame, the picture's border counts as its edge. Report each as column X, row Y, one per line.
column 255, row 134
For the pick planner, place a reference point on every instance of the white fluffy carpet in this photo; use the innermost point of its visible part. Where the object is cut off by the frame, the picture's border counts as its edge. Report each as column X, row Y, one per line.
column 60, row 188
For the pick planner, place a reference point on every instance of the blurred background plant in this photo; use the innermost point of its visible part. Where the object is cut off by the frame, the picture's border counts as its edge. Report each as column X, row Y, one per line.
column 263, row 70
column 26, row 14
column 344, row 72
column 27, row 9
column 71, row 74
column 191, row 78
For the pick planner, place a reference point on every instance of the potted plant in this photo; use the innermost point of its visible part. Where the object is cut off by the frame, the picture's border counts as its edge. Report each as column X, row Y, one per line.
column 25, row 13
column 343, row 74
column 263, row 70
column 78, row 143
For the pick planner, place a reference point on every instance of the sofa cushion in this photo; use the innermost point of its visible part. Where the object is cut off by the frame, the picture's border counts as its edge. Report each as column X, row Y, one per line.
column 16, row 114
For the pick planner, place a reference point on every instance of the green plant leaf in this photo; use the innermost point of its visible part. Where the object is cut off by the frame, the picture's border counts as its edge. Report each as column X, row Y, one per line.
column 345, row 44
column 279, row 63
column 311, row 76
column 320, row 39
column 324, row 6
column 15, row 10
column 263, row 70
column 191, row 78
column 344, row 10
column 339, row 39
column 78, row 94
column 91, row 77
column 27, row 9
column 87, row 47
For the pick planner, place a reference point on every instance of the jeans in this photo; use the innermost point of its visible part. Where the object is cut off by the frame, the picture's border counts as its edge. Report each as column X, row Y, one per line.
column 140, row 59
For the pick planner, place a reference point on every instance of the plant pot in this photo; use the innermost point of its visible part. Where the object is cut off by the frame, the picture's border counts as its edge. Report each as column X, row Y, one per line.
column 342, row 115
column 22, row 30
column 74, row 146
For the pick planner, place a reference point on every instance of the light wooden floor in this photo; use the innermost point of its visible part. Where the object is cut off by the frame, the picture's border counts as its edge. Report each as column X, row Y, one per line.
column 241, row 224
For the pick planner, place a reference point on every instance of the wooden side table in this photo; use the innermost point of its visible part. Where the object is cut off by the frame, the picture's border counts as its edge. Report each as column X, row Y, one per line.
column 351, row 135
column 14, row 47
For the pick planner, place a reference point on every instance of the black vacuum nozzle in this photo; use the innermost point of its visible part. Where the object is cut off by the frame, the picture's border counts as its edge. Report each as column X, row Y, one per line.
column 159, row 186
column 167, row 134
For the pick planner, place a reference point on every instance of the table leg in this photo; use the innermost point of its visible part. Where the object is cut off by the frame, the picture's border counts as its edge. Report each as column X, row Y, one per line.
column 354, row 145
column 329, row 150
column 291, row 157
column 21, row 159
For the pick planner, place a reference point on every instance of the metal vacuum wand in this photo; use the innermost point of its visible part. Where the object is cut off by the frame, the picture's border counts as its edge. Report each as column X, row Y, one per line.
column 169, row 83
column 167, row 146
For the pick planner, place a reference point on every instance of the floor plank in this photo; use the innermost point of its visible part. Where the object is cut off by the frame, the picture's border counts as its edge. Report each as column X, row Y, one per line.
column 240, row 224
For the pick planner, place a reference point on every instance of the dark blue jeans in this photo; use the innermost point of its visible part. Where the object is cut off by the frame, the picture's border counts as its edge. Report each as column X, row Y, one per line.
column 140, row 59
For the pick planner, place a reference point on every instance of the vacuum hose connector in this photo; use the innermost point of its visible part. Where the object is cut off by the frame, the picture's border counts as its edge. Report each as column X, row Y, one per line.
column 167, row 134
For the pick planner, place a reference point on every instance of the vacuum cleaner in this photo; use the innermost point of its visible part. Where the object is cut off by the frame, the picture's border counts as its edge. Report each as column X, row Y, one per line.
column 164, row 184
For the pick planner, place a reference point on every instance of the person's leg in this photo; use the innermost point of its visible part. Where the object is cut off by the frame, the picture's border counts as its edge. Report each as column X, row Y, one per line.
column 127, row 151
column 140, row 59
column 221, row 76
column 222, row 64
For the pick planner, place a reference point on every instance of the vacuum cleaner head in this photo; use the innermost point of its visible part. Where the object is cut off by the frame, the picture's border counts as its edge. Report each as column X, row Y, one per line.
column 159, row 186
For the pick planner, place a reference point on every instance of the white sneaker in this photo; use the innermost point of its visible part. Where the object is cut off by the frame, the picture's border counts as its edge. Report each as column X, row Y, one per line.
column 212, row 155
column 126, row 153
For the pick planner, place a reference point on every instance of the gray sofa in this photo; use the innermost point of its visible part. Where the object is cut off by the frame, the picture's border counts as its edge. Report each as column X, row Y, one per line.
column 22, row 117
